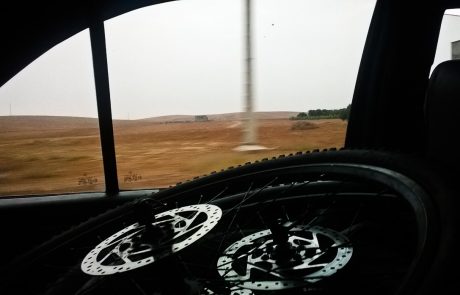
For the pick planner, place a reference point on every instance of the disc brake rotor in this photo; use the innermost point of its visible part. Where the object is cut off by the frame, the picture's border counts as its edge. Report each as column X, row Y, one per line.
column 129, row 248
column 233, row 291
column 254, row 262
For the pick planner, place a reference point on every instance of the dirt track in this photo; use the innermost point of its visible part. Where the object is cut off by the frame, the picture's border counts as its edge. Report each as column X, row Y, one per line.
column 46, row 160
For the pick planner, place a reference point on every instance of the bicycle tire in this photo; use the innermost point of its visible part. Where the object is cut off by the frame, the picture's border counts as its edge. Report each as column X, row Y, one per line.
column 348, row 178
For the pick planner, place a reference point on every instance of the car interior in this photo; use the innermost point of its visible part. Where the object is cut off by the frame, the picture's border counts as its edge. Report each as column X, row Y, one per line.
column 377, row 215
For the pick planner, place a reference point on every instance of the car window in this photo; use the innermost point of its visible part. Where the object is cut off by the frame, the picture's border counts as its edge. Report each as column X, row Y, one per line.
column 49, row 134
column 178, row 72
column 449, row 37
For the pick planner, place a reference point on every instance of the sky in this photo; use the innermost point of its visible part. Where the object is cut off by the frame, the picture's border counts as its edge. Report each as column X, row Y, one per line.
column 186, row 57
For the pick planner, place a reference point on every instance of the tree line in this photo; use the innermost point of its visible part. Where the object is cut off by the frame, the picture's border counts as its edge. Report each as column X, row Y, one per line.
column 324, row 114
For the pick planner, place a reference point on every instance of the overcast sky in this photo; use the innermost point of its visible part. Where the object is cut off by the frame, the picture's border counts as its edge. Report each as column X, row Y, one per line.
column 186, row 57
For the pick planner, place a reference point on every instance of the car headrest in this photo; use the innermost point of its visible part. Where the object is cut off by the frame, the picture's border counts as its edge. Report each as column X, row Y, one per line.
column 442, row 113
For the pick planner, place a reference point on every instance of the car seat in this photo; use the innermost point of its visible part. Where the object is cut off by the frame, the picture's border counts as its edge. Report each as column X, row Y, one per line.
column 442, row 115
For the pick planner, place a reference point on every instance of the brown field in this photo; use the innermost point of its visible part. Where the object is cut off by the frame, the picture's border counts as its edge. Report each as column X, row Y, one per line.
column 58, row 154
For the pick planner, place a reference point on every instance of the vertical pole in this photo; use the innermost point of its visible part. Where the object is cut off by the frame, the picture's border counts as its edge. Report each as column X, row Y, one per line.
column 250, row 132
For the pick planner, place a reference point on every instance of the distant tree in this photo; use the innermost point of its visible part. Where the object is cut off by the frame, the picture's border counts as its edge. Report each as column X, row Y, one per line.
column 318, row 113
column 324, row 114
column 302, row 116
column 345, row 113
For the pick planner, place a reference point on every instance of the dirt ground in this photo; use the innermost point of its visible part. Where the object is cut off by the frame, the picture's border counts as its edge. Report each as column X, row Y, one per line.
column 37, row 157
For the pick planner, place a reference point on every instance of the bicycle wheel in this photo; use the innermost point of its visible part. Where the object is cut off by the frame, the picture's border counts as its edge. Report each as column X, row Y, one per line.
column 352, row 221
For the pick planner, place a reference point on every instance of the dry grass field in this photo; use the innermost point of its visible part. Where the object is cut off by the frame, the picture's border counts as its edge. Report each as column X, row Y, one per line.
column 58, row 154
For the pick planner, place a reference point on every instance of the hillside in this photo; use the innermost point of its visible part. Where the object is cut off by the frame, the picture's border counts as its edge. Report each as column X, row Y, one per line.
column 47, row 123
column 60, row 154
column 42, row 123
column 222, row 117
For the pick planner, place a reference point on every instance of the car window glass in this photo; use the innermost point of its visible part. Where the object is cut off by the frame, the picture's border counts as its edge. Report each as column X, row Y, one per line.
column 49, row 134
column 449, row 37
column 177, row 79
